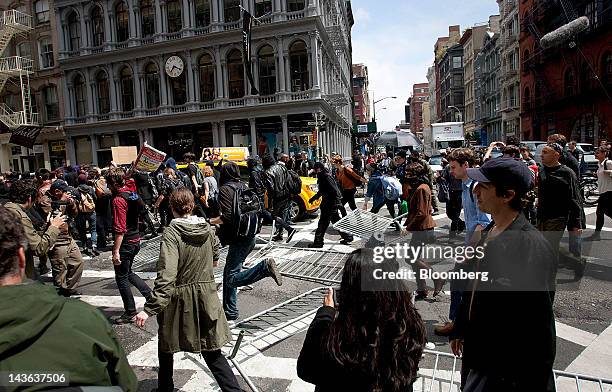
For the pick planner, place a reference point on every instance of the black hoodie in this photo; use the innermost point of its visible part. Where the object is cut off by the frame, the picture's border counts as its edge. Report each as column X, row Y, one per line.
column 229, row 179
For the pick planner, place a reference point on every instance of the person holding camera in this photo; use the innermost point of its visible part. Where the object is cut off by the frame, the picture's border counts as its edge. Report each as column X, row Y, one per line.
column 65, row 256
column 22, row 195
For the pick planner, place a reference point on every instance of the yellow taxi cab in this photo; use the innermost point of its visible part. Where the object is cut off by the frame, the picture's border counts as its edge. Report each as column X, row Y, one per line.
column 300, row 205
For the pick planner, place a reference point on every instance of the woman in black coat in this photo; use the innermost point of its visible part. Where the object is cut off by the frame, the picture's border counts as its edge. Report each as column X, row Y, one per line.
column 372, row 340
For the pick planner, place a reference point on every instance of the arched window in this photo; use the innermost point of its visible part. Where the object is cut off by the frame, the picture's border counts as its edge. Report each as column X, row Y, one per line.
column 80, row 96
column 202, row 13
column 526, row 99
column 295, row 5
column 97, row 26
column 207, row 78
column 147, row 12
column 102, row 88
column 175, row 23
column 606, row 68
column 235, row 74
column 267, row 70
column 585, row 77
column 262, row 7
column 152, row 85
column 231, row 10
column 179, row 89
column 298, row 58
column 123, row 24
column 74, row 32
column 569, row 83
column 127, row 89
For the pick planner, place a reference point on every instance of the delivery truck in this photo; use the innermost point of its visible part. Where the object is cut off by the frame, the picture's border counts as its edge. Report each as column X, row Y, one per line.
column 442, row 136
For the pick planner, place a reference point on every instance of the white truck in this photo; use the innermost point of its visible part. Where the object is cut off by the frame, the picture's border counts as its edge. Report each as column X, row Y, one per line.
column 441, row 136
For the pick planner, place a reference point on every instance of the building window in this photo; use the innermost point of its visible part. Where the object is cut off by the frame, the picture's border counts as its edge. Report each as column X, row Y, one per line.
column 457, row 80
column 569, row 83
column 262, row 7
column 97, row 26
column 457, row 62
column 41, row 7
column 46, row 53
column 152, row 85
column 123, row 23
column 202, row 13
column 74, row 32
column 267, row 71
column 207, row 78
column 175, row 22
column 295, row 5
column 103, row 92
column 179, row 89
column 231, row 10
column 298, row 59
column 526, row 99
column 24, row 50
column 585, row 77
column 235, row 74
column 127, row 89
column 606, row 68
column 80, row 96
column 147, row 13
column 51, row 103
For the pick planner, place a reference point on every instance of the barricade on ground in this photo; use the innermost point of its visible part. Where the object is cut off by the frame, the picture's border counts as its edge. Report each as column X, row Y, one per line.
column 441, row 372
column 314, row 265
column 364, row 224
column 271, row 326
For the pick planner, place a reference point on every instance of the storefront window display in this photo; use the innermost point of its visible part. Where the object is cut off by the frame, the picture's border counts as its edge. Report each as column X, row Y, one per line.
column 57, row 153
column 176, row 141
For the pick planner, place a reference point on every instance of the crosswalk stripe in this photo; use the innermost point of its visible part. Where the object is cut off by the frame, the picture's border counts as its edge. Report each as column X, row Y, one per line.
column 109, row 301
column 596, row 358
column 574, row 335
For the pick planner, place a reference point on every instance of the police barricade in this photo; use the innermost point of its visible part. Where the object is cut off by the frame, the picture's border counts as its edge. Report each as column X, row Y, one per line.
column 365, row 224
column 313, row 265
column 271, row 326
column 441, row 372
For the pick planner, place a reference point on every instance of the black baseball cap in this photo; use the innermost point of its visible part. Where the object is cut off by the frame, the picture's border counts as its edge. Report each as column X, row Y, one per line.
column 504, row 171
column 61, row 185
column 401, row 154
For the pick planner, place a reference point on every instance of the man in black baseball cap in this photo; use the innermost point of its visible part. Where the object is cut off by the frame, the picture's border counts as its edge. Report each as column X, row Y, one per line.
column 518, row 289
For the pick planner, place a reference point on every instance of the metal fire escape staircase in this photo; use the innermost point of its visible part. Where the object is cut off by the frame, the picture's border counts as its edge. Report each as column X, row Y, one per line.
column 16, row 70
column 337, row 97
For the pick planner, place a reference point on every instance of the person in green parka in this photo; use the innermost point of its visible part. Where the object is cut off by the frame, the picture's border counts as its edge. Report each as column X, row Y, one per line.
column 41, row 331
column 184, row 298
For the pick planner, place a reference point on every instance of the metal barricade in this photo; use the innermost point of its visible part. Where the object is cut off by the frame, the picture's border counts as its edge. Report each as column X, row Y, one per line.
column 441, row 372
column 313, row 265
column 364, row 224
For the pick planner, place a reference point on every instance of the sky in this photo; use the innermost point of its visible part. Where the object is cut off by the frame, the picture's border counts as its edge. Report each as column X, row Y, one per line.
column 395, row 40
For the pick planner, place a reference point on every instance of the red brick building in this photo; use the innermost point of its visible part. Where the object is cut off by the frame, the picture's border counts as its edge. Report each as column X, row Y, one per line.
column 566, row 89
column 361, row 111
column 420, row 94
column 440, row 47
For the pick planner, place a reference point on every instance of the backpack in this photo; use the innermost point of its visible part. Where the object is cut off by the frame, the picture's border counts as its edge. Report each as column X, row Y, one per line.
column 86, row 203
column 199, row 176
column 391, row 187
column 294, row 182
column 246, row 211
column 443, row 190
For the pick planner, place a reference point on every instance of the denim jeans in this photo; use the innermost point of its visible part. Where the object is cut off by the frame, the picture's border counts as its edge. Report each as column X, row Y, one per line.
column 280, row 210
column 82, row 219
column 124, row 276
column 234, row 276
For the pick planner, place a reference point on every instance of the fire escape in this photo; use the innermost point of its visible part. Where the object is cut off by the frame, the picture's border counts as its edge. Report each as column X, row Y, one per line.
column 16, row 70
column 337, row 97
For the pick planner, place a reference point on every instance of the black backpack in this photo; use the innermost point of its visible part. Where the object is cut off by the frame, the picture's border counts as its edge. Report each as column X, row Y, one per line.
column 294, row 182
column 246, row 211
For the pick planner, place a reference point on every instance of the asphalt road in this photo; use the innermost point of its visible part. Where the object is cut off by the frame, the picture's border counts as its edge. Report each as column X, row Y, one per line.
column 583, row 310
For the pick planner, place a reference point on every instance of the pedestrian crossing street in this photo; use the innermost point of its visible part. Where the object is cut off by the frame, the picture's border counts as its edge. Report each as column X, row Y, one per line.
column 581, row 349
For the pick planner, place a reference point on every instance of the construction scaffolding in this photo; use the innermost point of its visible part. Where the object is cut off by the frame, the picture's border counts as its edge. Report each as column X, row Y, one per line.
column 16, row 70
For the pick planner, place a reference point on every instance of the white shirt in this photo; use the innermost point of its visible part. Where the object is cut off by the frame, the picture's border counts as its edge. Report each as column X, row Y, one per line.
column 604, row 181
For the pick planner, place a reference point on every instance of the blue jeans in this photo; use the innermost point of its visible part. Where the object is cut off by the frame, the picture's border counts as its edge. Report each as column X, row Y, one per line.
column 124, row 276
column 234, row 276
column 82, row 219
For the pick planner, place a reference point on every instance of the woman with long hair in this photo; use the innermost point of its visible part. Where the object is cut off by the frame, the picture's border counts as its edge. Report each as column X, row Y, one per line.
column 184, row 298
column 371, row 340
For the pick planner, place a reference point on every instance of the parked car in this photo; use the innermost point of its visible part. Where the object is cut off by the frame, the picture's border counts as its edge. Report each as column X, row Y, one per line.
column 589, row 161
column 533, row 147
column 435, row 162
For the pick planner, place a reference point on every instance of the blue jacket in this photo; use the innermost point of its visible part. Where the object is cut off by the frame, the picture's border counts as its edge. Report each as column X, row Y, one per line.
column 375, row 189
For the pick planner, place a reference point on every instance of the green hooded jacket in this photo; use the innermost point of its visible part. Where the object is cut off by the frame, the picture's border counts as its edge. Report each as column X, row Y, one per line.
column 43, row 332
column 189, row 314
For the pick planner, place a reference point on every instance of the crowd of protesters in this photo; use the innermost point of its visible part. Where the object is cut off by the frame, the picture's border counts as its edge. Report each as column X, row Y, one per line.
column 60, row 215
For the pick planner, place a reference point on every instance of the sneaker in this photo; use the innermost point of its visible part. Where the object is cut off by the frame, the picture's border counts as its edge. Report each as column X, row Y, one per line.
column 435, row 212
column 125, row 318
column 95, row 252
column 277, row 238
column 290, row 235
column 346, row 241
column 420, row 295
column 69, row 292
column 43, row 270
column 273, row 270
column 315, row 245
column 445, row 329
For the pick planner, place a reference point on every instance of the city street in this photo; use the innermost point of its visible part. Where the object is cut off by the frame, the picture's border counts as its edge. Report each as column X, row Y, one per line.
column 583, row 311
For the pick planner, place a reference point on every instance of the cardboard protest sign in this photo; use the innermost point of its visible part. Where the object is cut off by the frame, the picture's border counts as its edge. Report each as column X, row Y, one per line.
column 124, row 155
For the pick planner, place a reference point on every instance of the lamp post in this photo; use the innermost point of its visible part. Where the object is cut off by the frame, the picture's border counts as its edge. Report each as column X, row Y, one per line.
column 459, row 111
column 374, row 105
